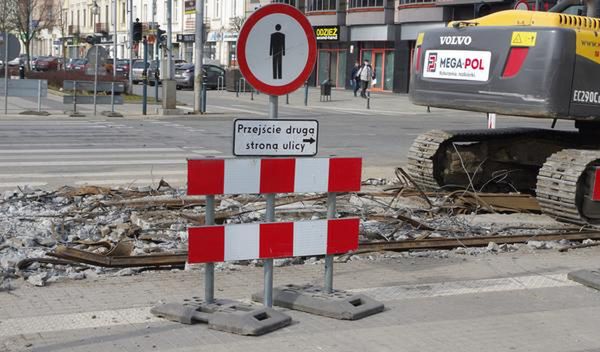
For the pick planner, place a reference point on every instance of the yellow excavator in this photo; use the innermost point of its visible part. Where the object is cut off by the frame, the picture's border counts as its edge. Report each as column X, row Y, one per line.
column 518, row 63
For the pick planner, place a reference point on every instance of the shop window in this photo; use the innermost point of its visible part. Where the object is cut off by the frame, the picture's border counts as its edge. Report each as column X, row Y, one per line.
column 320, row 5
column 382, row 62
column 289, row 2
column 332, row 66
column 232, row 53
column 365, row 3
column 409, row 2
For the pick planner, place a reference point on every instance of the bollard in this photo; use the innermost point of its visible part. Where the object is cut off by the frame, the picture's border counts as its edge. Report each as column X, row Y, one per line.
column 252, row 93
column 39, row 95
column 428, row 108
column 112, row 97
column 203, row 92
column 74, row 97
column 368, row 100
column 287, row 99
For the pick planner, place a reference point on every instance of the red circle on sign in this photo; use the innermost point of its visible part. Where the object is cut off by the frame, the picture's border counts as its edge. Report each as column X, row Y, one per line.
column 310, row 37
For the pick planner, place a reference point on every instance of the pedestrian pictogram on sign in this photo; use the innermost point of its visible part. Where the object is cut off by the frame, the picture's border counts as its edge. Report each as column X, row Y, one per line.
column 277, row 49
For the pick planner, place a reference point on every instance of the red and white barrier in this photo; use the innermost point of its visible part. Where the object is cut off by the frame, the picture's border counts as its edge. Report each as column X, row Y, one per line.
column 281, row 175
column 596, row 190
column 272, row 240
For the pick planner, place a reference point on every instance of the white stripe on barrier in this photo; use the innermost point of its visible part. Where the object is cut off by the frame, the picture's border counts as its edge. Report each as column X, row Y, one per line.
column 242, row 241
column 312, row 175
column 313, row 238
column 242, row 176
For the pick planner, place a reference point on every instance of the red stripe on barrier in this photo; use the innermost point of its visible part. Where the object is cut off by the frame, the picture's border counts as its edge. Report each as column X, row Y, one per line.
column 206, row 244
column 345, row 174
column 342, row 235
column 277, row 175
column 206, row 176
column 596, row 194
column 276, row 240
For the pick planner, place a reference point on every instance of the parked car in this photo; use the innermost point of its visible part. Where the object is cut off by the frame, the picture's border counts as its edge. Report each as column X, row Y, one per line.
column 184, row 76
column 123, row 67
column 153, row 73
column 77, row 65
column 137, row 71
column 46, row 63
column 32, row 60
column 18, row 61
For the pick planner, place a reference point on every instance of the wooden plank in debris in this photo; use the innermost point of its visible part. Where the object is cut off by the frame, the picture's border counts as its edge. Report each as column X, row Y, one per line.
column 76, row 255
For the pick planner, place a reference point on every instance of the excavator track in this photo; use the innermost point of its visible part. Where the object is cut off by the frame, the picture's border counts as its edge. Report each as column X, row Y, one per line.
column 438, row 159
column 561, row 181
column 549, row 163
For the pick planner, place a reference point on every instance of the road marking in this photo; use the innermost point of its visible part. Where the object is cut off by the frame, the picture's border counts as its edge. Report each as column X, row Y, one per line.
column 76, row 321
column 93, row 163
column 90, row 150
column 454, row 288
column 22, row 183
column 142, row 315
column 144, row 181
column 243, row 110
column 107, row 155
column 97, row 174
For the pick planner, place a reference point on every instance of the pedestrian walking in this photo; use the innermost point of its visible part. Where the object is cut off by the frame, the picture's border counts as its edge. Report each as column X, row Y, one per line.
column 355, row 78
column 366, row 76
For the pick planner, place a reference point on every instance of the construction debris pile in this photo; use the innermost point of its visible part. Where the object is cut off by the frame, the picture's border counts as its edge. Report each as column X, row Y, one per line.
column 76, row 233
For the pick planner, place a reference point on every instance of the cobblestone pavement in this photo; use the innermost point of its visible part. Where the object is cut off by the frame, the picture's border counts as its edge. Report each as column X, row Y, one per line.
column 507, row 302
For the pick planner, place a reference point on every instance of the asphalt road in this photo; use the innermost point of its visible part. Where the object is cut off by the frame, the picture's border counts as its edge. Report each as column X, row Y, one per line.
column 57, row 150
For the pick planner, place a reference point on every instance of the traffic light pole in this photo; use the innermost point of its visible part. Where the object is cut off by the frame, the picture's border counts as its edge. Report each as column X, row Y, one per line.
column 114, row 39
column 145, row 78
column 198, row 103
column 130, row 88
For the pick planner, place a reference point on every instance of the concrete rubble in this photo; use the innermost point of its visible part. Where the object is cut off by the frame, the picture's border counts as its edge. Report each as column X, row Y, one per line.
column 94, row 219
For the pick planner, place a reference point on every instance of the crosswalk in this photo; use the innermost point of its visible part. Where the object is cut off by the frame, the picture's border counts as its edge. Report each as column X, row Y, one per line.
column 51, row 153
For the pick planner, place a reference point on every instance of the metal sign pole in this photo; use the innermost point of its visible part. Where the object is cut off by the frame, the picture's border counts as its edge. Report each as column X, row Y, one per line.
column 145, row 77
column 209, row 268
column 5, row 72
column 270, row 217
column 331, row 212
column 95, row 78
column 114, row 14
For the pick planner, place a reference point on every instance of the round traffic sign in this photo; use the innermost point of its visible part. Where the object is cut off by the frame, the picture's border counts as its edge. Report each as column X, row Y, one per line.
column 276, row 49
column 522, row 5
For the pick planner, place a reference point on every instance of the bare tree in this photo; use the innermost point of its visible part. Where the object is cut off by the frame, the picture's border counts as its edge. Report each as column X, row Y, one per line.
column 236, row 23
column 30, row 17
column 61, row 22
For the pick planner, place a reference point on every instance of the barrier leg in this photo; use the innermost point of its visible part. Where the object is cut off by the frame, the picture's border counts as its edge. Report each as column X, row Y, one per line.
column 268, row 264
column 209, row 268
column 331, row 212
column 222, row 314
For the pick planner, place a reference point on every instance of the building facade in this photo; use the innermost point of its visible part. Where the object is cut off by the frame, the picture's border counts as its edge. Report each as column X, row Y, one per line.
column 381, row 31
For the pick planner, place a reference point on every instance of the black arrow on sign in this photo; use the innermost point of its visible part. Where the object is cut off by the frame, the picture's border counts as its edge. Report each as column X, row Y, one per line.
column 310, row 140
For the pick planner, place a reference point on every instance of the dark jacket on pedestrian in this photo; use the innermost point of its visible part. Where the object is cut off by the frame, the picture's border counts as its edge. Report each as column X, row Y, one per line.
column 354, row 73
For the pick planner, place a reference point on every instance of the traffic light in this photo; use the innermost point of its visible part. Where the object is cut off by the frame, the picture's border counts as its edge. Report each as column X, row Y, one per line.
column 161, row 35
column 137, row 30
column 92, row 39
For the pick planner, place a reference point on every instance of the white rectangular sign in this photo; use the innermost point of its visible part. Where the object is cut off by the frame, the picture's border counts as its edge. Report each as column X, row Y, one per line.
column 265, row 137
column 457, row 64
